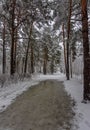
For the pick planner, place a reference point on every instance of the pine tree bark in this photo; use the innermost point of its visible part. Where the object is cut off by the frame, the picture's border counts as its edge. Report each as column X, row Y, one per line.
column 32, row 59
column 45, row 60
column 68, row 39
column 64, row 46
column 12, row 63
column 71, row 63
column 52, row 65
column 4, row 50
column 27, row 50
column 15, row 51
column 26, row 59
column 86, row 55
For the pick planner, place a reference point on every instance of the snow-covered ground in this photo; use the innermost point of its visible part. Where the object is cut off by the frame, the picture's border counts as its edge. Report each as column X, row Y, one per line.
column 10, row 92
column 73, row 87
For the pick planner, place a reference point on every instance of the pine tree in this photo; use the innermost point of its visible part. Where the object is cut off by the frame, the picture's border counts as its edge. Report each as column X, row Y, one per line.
column 86, row 55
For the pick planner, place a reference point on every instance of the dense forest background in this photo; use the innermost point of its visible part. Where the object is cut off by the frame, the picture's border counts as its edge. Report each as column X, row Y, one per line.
column 45, row 36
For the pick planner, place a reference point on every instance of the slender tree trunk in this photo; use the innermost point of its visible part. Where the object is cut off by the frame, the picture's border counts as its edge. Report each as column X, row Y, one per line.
column 44, row 67
column 23, row 63
column 27, row 50
column 52, row 65
column 15, row 51
column 12, row 68
column 68, row 38
column 32, row 59
column 86, row 93
column 64, row 46
column 4, row 51
column 71, row 63
column 39, row 62
column 26, row 59
column 45, row 60
column 17, row 66
column 12, row 71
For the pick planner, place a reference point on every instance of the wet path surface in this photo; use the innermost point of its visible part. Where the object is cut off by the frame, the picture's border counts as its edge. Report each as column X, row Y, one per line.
column 43, row 107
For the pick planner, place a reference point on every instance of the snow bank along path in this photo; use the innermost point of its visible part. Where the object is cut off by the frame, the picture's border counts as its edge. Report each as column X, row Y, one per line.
column 9, row 93
column 75, row 88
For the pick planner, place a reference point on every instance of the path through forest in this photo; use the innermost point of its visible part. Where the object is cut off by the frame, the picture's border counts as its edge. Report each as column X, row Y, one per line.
column 45, row 106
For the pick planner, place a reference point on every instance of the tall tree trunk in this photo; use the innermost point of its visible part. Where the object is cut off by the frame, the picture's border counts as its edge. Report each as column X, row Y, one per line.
column 15, row 51
column 68, row 38
column 23, row 63
column 26, row 59
column 4, row 51
column 12, row 68
column 45, row 60
column 52, row 65
column 32, row 59
column 86, row 54
column 71, row 63
column 64, row 46
column 27, row 50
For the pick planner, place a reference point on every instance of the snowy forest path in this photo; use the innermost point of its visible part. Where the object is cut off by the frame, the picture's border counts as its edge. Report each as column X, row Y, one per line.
column 45, row 106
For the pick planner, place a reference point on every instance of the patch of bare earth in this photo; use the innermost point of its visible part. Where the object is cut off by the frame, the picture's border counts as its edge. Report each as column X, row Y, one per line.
column 43, row 107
